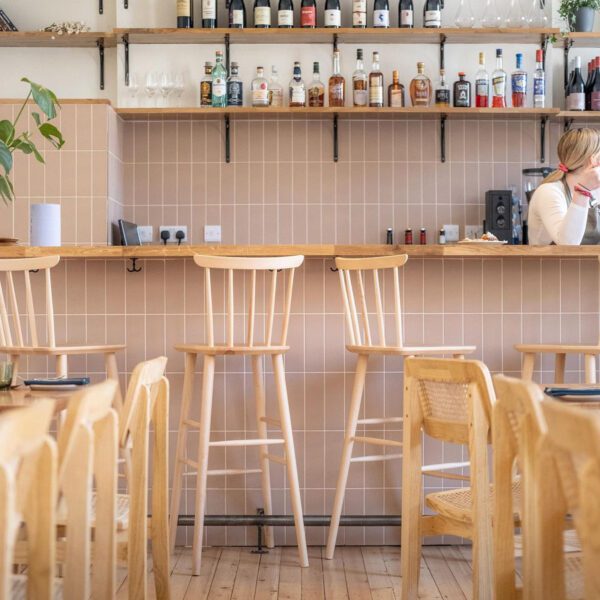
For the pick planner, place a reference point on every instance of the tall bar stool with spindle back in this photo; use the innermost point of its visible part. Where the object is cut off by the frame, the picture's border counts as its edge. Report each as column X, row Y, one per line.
column 239, row 269
column 365, row 342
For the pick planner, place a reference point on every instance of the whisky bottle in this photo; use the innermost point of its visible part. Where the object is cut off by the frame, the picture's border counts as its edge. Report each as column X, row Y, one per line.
column 260, row 89
column 316, row 90
column 206, row 85
column 395, row 92
column 297, row 88
column 337, row 84
column 275, row 89
column 376, row 83
column 360, row 95
column 420, row 87
column 462, row 92
column 235, row 88
column 442, row 93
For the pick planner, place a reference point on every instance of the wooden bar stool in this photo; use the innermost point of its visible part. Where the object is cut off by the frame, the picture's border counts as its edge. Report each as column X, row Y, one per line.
column 245, row 346
column 365, row 342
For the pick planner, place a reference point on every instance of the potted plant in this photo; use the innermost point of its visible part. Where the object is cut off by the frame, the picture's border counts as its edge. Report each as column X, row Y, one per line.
column 579, row 14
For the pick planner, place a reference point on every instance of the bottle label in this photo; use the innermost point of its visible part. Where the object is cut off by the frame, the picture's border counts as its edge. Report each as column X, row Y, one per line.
column 376, row 94
column 183, row 8
column 381, row 18
column 442, row 97
column 209, row 9
column 433, row 18
column 315, row 96
column 499, row 85
column 576, row 101
column 237, row 17
column 482, row 88
column 397, row 99
column 595, row 100
column 360, row 97
column 333, row 18
column 519, row 83
column 359, row 13
column 308, row 16
column 235, row 93
column 421, row 92
column 539, row 89
column 276, row 97
column 298, row 95
column 262, row 15
column 336, row 93
column 286, row 18
column 406, row 18
column 205, row 93
column 219, row 87
column 461, row 96
column 260, row 96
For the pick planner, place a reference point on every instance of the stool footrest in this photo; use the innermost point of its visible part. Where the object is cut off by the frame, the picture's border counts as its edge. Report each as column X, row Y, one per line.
column 233, row 471
column 445, row 466
column 191, row 423
column 377, row 441
column 375, row 458
column 278, row 459
column 380, row 421
column 257, row 442
column 446, row 475
column 271, row 421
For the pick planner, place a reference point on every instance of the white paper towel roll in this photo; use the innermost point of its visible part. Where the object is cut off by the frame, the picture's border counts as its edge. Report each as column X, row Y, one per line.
column 44, row 225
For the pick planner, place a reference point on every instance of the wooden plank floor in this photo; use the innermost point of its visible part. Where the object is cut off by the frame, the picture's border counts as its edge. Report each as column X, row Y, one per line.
column 356, row 573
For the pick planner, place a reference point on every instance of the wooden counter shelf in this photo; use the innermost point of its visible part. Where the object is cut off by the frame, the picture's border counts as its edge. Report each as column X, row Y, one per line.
column 47, row 39
column 309, row 250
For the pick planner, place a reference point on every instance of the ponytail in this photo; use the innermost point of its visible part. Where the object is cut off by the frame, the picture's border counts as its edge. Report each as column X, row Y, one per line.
column 575, row 149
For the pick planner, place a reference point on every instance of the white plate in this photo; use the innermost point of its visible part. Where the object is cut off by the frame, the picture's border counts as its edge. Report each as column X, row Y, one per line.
column 495, row 242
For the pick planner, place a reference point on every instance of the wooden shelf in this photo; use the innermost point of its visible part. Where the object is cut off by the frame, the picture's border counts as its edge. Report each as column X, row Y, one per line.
column 580, row 115
column 579, row 39
column 308, row 250
column 44, row 39
column 347, row 35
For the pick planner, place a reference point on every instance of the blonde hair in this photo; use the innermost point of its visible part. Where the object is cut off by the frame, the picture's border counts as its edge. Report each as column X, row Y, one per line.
column 575, row 148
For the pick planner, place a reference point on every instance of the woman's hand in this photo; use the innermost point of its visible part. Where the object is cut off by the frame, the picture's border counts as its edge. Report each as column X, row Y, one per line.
column 589, row 177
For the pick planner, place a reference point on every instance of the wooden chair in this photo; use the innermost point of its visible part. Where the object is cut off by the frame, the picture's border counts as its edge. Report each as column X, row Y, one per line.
column 451, row 401
column 17, row 341
column 366, row 341
column 28, row 472
column 246, row 345
column 560, row 351
column 568, row 484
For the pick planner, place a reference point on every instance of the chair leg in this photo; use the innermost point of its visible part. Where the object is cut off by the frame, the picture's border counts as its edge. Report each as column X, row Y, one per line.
column 14, row 359
column 62, row 369
column 112, row 372
column 203, row 441
column 528, row 364
column 590, row 368
column 290, row 454
column 340, row 490
column 188, row 390
column 261, row 427
column 559, row 368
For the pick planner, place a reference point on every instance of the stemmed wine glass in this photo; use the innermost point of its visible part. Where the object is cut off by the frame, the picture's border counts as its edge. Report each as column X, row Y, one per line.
column 133, row 88
column 179, row 87
column 166, row 86
column 152, row 87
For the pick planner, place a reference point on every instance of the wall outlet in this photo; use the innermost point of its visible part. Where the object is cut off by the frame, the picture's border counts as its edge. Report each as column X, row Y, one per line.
column 173, row 229
column 212, row 233
column 473, row 232
column 452, row 233
column 146, row 233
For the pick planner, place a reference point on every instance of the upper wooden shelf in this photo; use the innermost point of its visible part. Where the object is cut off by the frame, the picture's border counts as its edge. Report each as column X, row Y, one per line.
column 348, row 35
column 309, row 250
column 579, row 39
column 45, row 39
column 580, row 115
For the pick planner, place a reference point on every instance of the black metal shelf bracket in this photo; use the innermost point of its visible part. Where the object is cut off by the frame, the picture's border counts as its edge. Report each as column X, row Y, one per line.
column 568, row 123
column 101, row 6
column 543, row 122
column 100, row 44
column 544, row 47
column 126, row 48
column 227, row 58
column 126, row 4
column 442, row 50
column 336, row 149
column 335, row 42
column 227, row 140
column 567, row 47
column 443, row 138
column 134, row 268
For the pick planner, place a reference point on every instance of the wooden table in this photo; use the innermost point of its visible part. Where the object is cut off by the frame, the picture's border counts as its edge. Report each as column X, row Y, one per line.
column 24, row 396
column 581, row 401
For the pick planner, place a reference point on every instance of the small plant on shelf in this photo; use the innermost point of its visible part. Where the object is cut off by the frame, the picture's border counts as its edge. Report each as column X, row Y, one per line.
column 579, row 14
column 11, row 141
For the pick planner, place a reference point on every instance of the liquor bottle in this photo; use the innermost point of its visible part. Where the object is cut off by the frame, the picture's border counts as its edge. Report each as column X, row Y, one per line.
column 209, row 13
column 360, row 96
column 519, row 84
column 376, row 83
column 359, row 13
column 442, row 92
column 275, row 89
column 333, row 13
column 297, row 88
column 590, row 84
column 462, row 92
column 432, row 13
column 595, row 96
column 237, row 14
column 316, row 90
column 576, row 91
column 406, row 16
column 185, row 14
column 337, row 84
column 206, row 85
column 381, row 13
column 308, row 13
column 395, row 92
column 219, row 82
column 260, row 89
column 235, row 88
column 420, row 87
column 285, row 14
column 482, row 84
column 262, row 13
column 539, row 81
column 499, row 83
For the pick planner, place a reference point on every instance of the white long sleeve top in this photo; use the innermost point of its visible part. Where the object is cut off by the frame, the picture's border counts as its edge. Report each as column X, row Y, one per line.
column 552, row 218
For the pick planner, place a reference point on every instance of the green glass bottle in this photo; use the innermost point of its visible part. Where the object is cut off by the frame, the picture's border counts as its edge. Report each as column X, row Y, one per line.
column 219, row 83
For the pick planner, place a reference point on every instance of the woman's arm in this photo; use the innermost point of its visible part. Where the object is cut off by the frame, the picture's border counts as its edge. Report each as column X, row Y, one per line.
column 565, row 225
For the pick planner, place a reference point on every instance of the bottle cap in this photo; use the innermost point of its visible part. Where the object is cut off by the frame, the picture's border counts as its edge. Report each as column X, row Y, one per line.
column 499, row 53
column 395, row 74
column 359, row 54
column 420, row 65
column 442, row 72
column 539, row 55
column 481, row 58
column 375, row 56
column 461, row 74
column 220, row 53
column 315, row 67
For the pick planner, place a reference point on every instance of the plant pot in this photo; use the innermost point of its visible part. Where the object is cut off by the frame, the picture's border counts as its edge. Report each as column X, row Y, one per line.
column 44, row 225
column 584, row 19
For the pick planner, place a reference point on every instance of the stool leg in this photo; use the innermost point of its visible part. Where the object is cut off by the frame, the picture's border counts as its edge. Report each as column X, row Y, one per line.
column 14, row 359
column 340, row 490
column 112, row 372
column 590, row 368
column 559, row 368
column 290, row 454
column 261, row 427
column 62, row 370
column 528, row 365
column 188, row 390
column 208, row 376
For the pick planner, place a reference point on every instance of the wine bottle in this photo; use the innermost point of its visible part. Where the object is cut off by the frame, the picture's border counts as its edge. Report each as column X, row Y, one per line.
column 595, row 101
column 333, row 13
column 285, row 14
column 406, row 18
column 589, row 86
column 184, row 14
column 237, row 14
column 209, row 13
column 381, row 13
column 359, row 13
column 432, row 13
column 308, row 13
column 262, row 13
column 576, row 91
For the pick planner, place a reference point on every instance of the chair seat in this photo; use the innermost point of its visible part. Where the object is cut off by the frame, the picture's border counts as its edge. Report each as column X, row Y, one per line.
column 457, row 504
column 223, row 350
column 411, row 350
column 122, row 512
column 558, row 348
column 18, row 586
column 58, row 350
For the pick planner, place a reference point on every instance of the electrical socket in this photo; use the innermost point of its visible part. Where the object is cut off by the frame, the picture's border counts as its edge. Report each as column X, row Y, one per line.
column 146, row 233
column 212, row 233
column 473, row 232
column 452, row 233
column 173, row 229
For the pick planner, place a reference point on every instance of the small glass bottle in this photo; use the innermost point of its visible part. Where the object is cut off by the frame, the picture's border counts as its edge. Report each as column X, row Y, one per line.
column 539, row 81
column 420, row 87
column 219, row 82
column 275, row 89
column 482, row 84
column 499, row 83
column 260, row 89
column 206, row 85
column 360, row 94
column 235, row 87
column 519, row 84
column 462, row 92
column 442, row 92
column 395, row 92
column 316, row 90
column 297, row 88
column 337, row 84
column 376, row 83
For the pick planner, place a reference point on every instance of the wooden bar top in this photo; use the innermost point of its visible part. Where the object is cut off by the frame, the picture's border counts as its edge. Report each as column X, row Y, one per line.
column 309, row 250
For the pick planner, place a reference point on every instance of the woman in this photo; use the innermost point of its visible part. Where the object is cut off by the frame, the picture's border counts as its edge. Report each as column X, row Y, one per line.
column 562, row 210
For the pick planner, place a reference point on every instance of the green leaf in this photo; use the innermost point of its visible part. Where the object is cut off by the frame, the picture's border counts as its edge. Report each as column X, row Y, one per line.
column 6, row 189
column 7, row 132
column 52, row 134
column 44, row 98
column 36, row 118
column 6, row 159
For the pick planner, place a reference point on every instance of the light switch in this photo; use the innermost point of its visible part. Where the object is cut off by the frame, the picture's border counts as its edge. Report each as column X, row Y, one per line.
column 212, row 233
column 452, row 233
